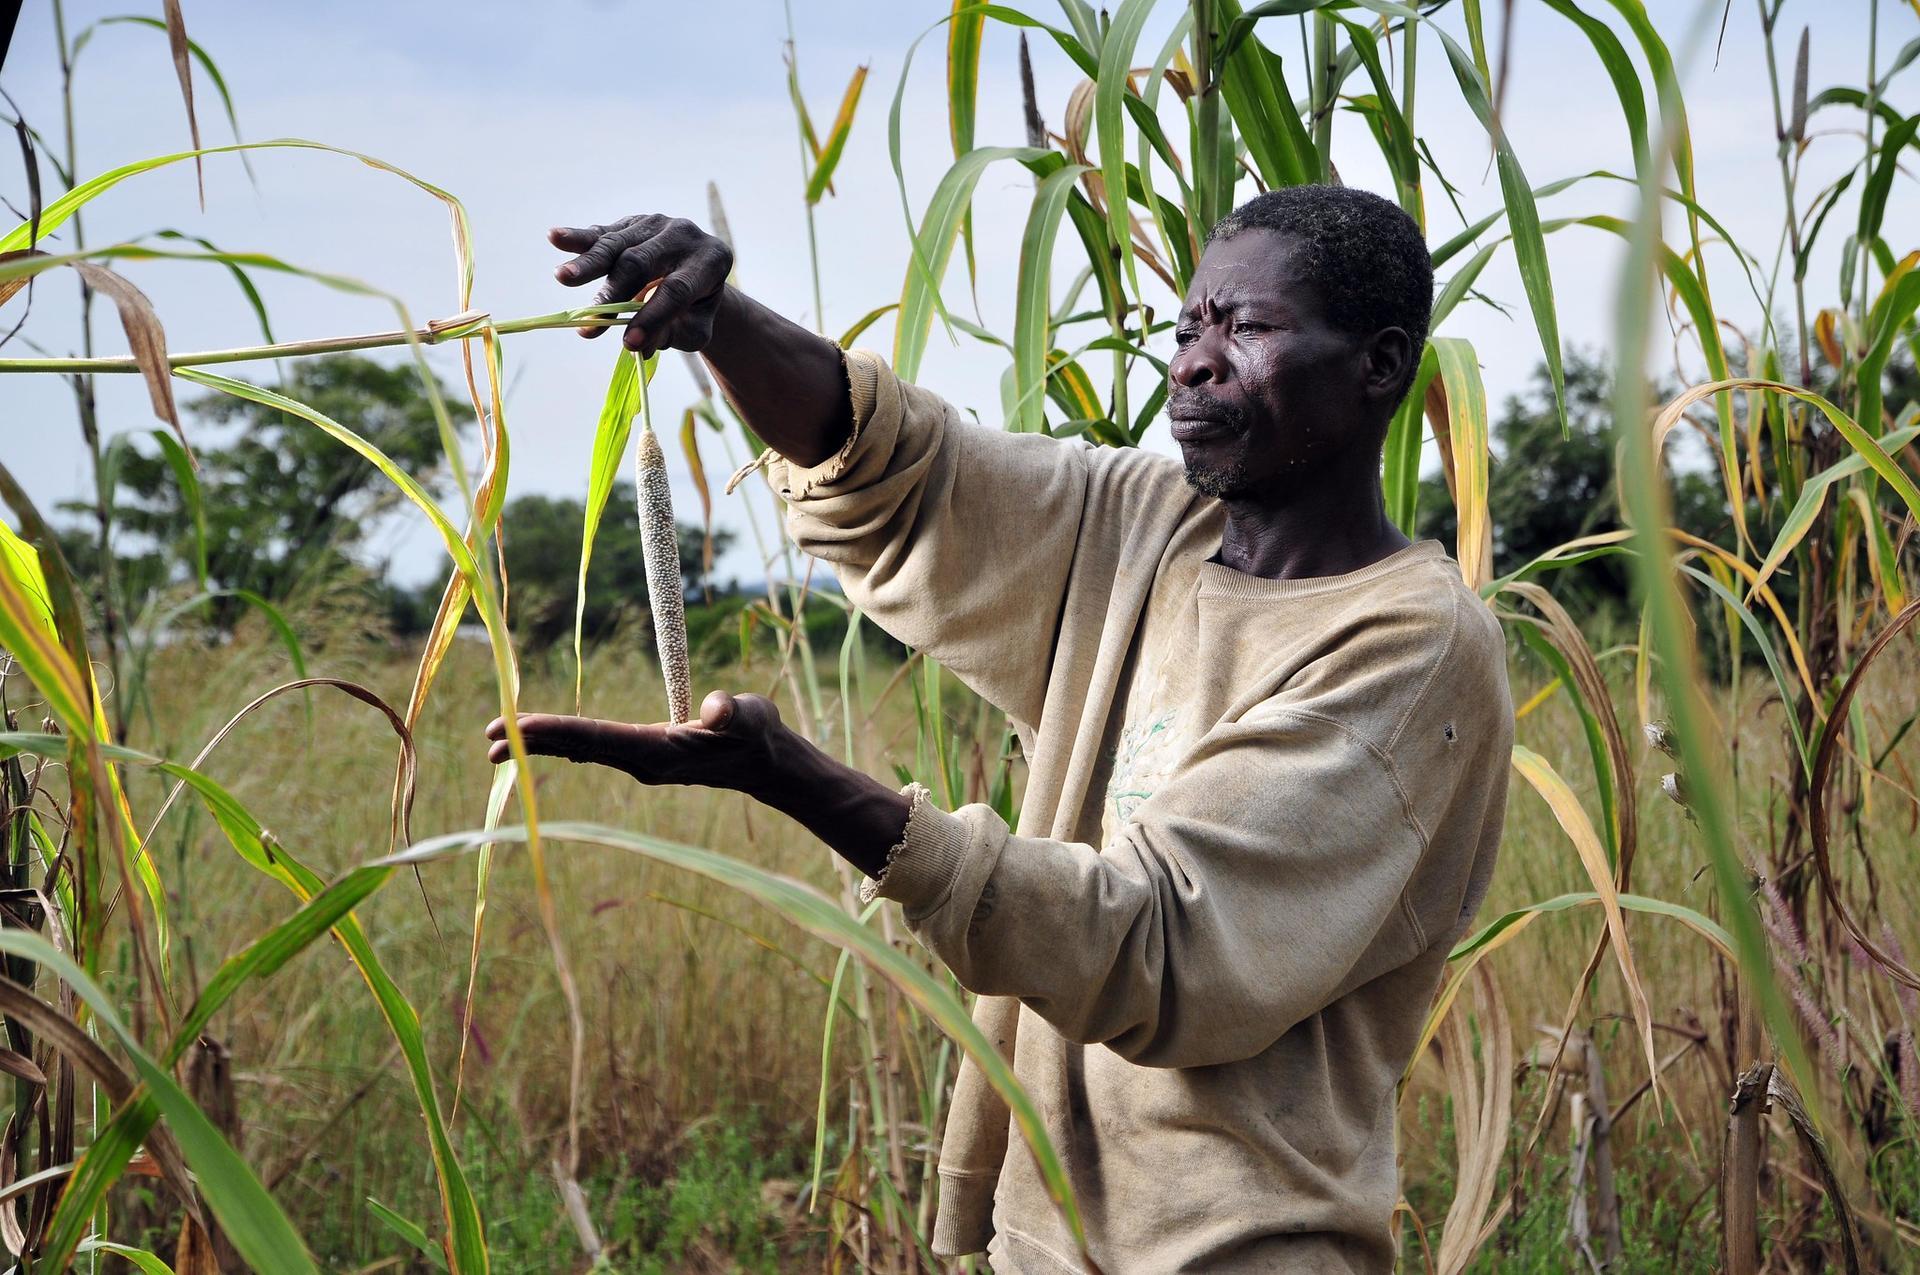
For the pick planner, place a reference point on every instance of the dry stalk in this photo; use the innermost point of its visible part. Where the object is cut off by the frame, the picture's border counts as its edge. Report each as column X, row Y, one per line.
column 1482, row 1112
column 1740, row 1174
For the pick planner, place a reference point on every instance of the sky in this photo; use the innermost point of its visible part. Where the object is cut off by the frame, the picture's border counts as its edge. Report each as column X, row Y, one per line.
column 581, row 111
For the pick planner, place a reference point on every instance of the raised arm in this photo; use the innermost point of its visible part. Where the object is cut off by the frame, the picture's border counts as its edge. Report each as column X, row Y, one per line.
column 962, row 540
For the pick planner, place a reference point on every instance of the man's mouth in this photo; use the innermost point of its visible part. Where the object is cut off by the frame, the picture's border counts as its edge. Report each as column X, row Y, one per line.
column 1200, row 429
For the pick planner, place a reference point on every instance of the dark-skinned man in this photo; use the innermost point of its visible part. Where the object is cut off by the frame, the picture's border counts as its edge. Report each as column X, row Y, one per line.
column 1267, row 737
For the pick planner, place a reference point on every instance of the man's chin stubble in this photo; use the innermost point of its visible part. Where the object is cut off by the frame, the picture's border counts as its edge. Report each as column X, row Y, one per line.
column 1219, row 481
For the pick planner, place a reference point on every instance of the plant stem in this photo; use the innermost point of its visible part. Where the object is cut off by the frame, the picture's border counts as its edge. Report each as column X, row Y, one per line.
column 84, row 397
column 1324, row 90
column 1206, row 155
column 1873, row 108
column 1787, row 182
column 459, row 328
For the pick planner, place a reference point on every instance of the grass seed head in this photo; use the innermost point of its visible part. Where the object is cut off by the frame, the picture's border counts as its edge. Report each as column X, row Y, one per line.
column 660, row 545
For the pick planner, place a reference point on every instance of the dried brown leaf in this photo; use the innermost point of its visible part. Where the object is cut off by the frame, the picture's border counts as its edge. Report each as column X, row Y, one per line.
column 19, row 1065
column 690, row 444
column 1482, row 1112
column 183, row 67
column 67, row 1039
column 145, row 338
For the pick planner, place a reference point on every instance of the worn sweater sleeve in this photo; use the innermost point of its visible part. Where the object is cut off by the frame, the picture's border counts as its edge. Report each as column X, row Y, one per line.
column 955, row 538
column 1264, row 880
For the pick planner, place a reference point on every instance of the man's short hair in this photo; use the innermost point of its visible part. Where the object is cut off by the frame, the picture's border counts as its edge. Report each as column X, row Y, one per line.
column 1365, row 257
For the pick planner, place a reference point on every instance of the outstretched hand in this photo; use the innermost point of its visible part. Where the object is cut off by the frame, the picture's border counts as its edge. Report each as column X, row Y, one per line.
column 732, row 745
column 739, row 743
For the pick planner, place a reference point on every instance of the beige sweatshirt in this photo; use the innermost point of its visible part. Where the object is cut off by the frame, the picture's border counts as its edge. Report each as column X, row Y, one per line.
column 1258, row 814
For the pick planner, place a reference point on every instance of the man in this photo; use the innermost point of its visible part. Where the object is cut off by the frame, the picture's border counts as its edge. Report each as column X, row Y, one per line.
column 1267, row 737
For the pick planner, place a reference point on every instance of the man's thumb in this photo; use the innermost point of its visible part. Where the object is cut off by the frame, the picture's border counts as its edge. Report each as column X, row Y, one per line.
column 717, row 710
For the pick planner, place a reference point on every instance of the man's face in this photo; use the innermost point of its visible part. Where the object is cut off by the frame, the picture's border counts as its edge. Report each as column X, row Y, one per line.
column 1263, row 390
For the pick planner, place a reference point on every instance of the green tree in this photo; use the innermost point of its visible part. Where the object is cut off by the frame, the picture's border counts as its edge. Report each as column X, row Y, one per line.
column 284, row 505
column 541, row 541
column 1544, row 489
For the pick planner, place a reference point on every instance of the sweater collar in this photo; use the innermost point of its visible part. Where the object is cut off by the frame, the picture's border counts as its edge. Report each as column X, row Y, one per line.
column 1219, row 580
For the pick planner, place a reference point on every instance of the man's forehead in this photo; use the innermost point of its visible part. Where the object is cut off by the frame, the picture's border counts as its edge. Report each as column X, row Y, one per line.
column 1251, row 267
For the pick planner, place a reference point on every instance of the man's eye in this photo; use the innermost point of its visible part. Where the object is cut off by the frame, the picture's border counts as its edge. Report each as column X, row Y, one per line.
column 1184, row 339
column 1247, row 325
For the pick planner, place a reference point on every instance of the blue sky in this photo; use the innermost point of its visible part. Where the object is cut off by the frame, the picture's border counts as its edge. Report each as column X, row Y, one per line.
column 583, row 111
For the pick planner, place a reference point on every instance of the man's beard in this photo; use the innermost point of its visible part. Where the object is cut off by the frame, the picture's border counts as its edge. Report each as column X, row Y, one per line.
column 1219, row 478
column 1220, row 481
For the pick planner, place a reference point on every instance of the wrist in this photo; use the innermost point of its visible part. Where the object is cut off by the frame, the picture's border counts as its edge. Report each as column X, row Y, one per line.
column 792, row 763
column 856, row 815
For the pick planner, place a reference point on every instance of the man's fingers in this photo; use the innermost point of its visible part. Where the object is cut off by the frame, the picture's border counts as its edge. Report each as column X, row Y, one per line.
column 574, row 738
column 598, row 257
column 573, row 238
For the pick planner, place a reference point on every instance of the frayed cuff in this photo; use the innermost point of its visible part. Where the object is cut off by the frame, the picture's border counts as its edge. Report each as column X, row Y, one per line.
column 921, row 866
column 863, row 374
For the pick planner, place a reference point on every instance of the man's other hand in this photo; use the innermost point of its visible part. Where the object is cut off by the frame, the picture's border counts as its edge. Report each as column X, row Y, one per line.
column 684, row 265
column 735, row 744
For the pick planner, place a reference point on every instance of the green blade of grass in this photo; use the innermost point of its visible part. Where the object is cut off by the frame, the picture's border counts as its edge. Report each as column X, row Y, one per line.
column 1668, row 646
column 1627, row 88
column 1523, row 215
column 806, row 907
column 148, row 1263
column 1400, row 478
column 259, row 1230
column 1032, row 334
column 933, row 248
column 965, row 26
column 199, row 54
column 1459, row 370
column 409, row 1230
column 1892, row 314
column 1110, row 88
column 189, row 483
column 1254, row 85
column 610, row 435
column 822, row 180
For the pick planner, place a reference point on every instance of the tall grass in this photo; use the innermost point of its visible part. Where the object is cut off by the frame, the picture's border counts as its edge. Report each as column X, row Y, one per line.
column 1787, row 782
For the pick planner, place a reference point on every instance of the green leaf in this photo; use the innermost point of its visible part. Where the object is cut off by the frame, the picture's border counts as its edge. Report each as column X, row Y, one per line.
column 410, row 1231
column 251, row 842
column 836, row 142
column 1032, row 335
column 610, row 436
column 260, row 1232
column 814, row 912
column 149, row 1263
column 933, row 248
column 240, row 277
column 1467, row 428
column 1400, row 479
column 1523, row 215
column 1110, row 89
column 1255, row 88
column 189, row 482
column 964, row 29
column 1626, row 81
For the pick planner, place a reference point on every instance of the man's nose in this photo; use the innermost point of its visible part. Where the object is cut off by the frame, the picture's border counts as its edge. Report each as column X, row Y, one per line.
column 1201, row 363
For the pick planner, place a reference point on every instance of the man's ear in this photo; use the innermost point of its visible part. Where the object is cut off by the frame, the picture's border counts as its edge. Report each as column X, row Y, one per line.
column 1391, row 365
